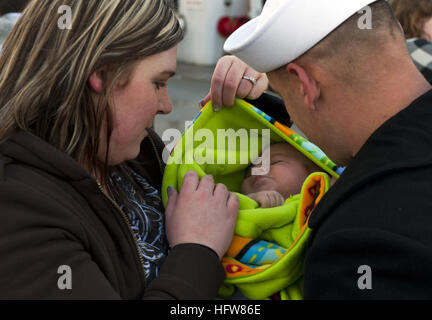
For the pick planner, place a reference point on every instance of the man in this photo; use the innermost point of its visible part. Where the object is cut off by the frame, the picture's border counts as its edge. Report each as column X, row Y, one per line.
column 355, row 92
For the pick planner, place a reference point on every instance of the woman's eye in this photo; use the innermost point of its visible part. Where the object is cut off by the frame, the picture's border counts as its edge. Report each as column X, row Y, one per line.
column 160, row 85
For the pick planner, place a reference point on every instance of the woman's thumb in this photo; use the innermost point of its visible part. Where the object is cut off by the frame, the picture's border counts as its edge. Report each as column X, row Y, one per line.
column 172, row 200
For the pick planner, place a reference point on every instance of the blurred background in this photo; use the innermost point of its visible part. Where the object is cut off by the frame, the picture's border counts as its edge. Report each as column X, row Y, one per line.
column 207, row 24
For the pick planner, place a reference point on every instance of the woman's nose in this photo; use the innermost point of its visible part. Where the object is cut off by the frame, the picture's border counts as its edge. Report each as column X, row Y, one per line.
column 165, row 106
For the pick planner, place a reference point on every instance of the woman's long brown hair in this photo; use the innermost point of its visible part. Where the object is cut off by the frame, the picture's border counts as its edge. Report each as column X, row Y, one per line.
column 44, row 69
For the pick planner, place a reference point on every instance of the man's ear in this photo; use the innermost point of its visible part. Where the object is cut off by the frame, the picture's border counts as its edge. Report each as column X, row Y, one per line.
column 96, row 81
column 309, row 87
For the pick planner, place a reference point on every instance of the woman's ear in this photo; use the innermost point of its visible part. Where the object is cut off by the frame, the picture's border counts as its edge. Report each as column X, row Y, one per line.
column 96, row 81
column 310, row 89
column 401, row 28
column 427, row 29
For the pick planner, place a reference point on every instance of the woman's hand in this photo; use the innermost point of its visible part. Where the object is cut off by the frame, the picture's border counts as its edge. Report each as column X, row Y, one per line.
column 228, row 83
column 202, row 213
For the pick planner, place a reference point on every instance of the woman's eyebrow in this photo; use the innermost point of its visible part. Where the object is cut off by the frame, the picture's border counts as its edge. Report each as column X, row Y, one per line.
column 170, row 73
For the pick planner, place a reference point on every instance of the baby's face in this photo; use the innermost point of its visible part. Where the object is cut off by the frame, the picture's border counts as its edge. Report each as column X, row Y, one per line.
column 288, row 171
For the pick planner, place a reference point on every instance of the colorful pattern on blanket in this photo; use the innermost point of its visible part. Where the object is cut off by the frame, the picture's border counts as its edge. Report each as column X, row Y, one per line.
column 303, row 145
column 266, row 256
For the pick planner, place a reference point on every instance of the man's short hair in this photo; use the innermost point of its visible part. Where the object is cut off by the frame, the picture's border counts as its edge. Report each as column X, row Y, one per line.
column 346, row 47
column 350, row 33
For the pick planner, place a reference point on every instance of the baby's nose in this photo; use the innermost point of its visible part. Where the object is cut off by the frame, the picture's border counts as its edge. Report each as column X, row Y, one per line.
column 260, row 170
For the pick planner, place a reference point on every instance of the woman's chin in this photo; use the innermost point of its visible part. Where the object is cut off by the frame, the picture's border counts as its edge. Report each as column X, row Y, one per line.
column 120, row 158
column 119, row 153
column 145, row 134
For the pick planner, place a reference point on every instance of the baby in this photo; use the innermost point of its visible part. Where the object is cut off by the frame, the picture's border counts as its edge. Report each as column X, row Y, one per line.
column 288, row 171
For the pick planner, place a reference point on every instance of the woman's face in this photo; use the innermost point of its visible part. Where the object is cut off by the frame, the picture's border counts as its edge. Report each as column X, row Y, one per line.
column 427, row 30
column 136, row 105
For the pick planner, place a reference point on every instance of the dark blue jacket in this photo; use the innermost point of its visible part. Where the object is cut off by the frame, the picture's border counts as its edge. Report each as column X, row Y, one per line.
column 379, row 215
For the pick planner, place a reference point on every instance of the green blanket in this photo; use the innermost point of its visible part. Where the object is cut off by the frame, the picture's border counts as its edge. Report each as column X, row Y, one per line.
column 266, row 256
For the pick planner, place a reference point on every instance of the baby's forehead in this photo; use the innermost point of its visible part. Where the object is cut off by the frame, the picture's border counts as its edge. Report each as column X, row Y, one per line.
column 281, row 149
column 284, row 150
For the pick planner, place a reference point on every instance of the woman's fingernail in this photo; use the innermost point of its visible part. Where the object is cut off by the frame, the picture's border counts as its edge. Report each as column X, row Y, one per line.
column 170, row 189
column 216, row 108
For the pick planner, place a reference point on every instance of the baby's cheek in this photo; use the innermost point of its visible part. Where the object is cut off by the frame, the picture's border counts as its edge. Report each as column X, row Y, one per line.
column 290, row 183
column 301, row 178
column 246, row 187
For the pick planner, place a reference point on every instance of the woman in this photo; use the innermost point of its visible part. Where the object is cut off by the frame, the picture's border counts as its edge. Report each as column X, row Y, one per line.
column 80, row 167
column 415, row 17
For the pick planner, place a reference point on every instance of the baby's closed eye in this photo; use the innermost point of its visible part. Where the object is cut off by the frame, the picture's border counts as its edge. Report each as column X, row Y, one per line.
column 276, row 162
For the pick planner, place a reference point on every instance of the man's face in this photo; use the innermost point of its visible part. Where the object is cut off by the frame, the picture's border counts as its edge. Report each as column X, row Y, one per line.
column 313, row 123
column 290, row 91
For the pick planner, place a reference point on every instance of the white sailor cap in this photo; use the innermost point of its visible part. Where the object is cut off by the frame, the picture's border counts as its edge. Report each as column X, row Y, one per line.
column 286, row 29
